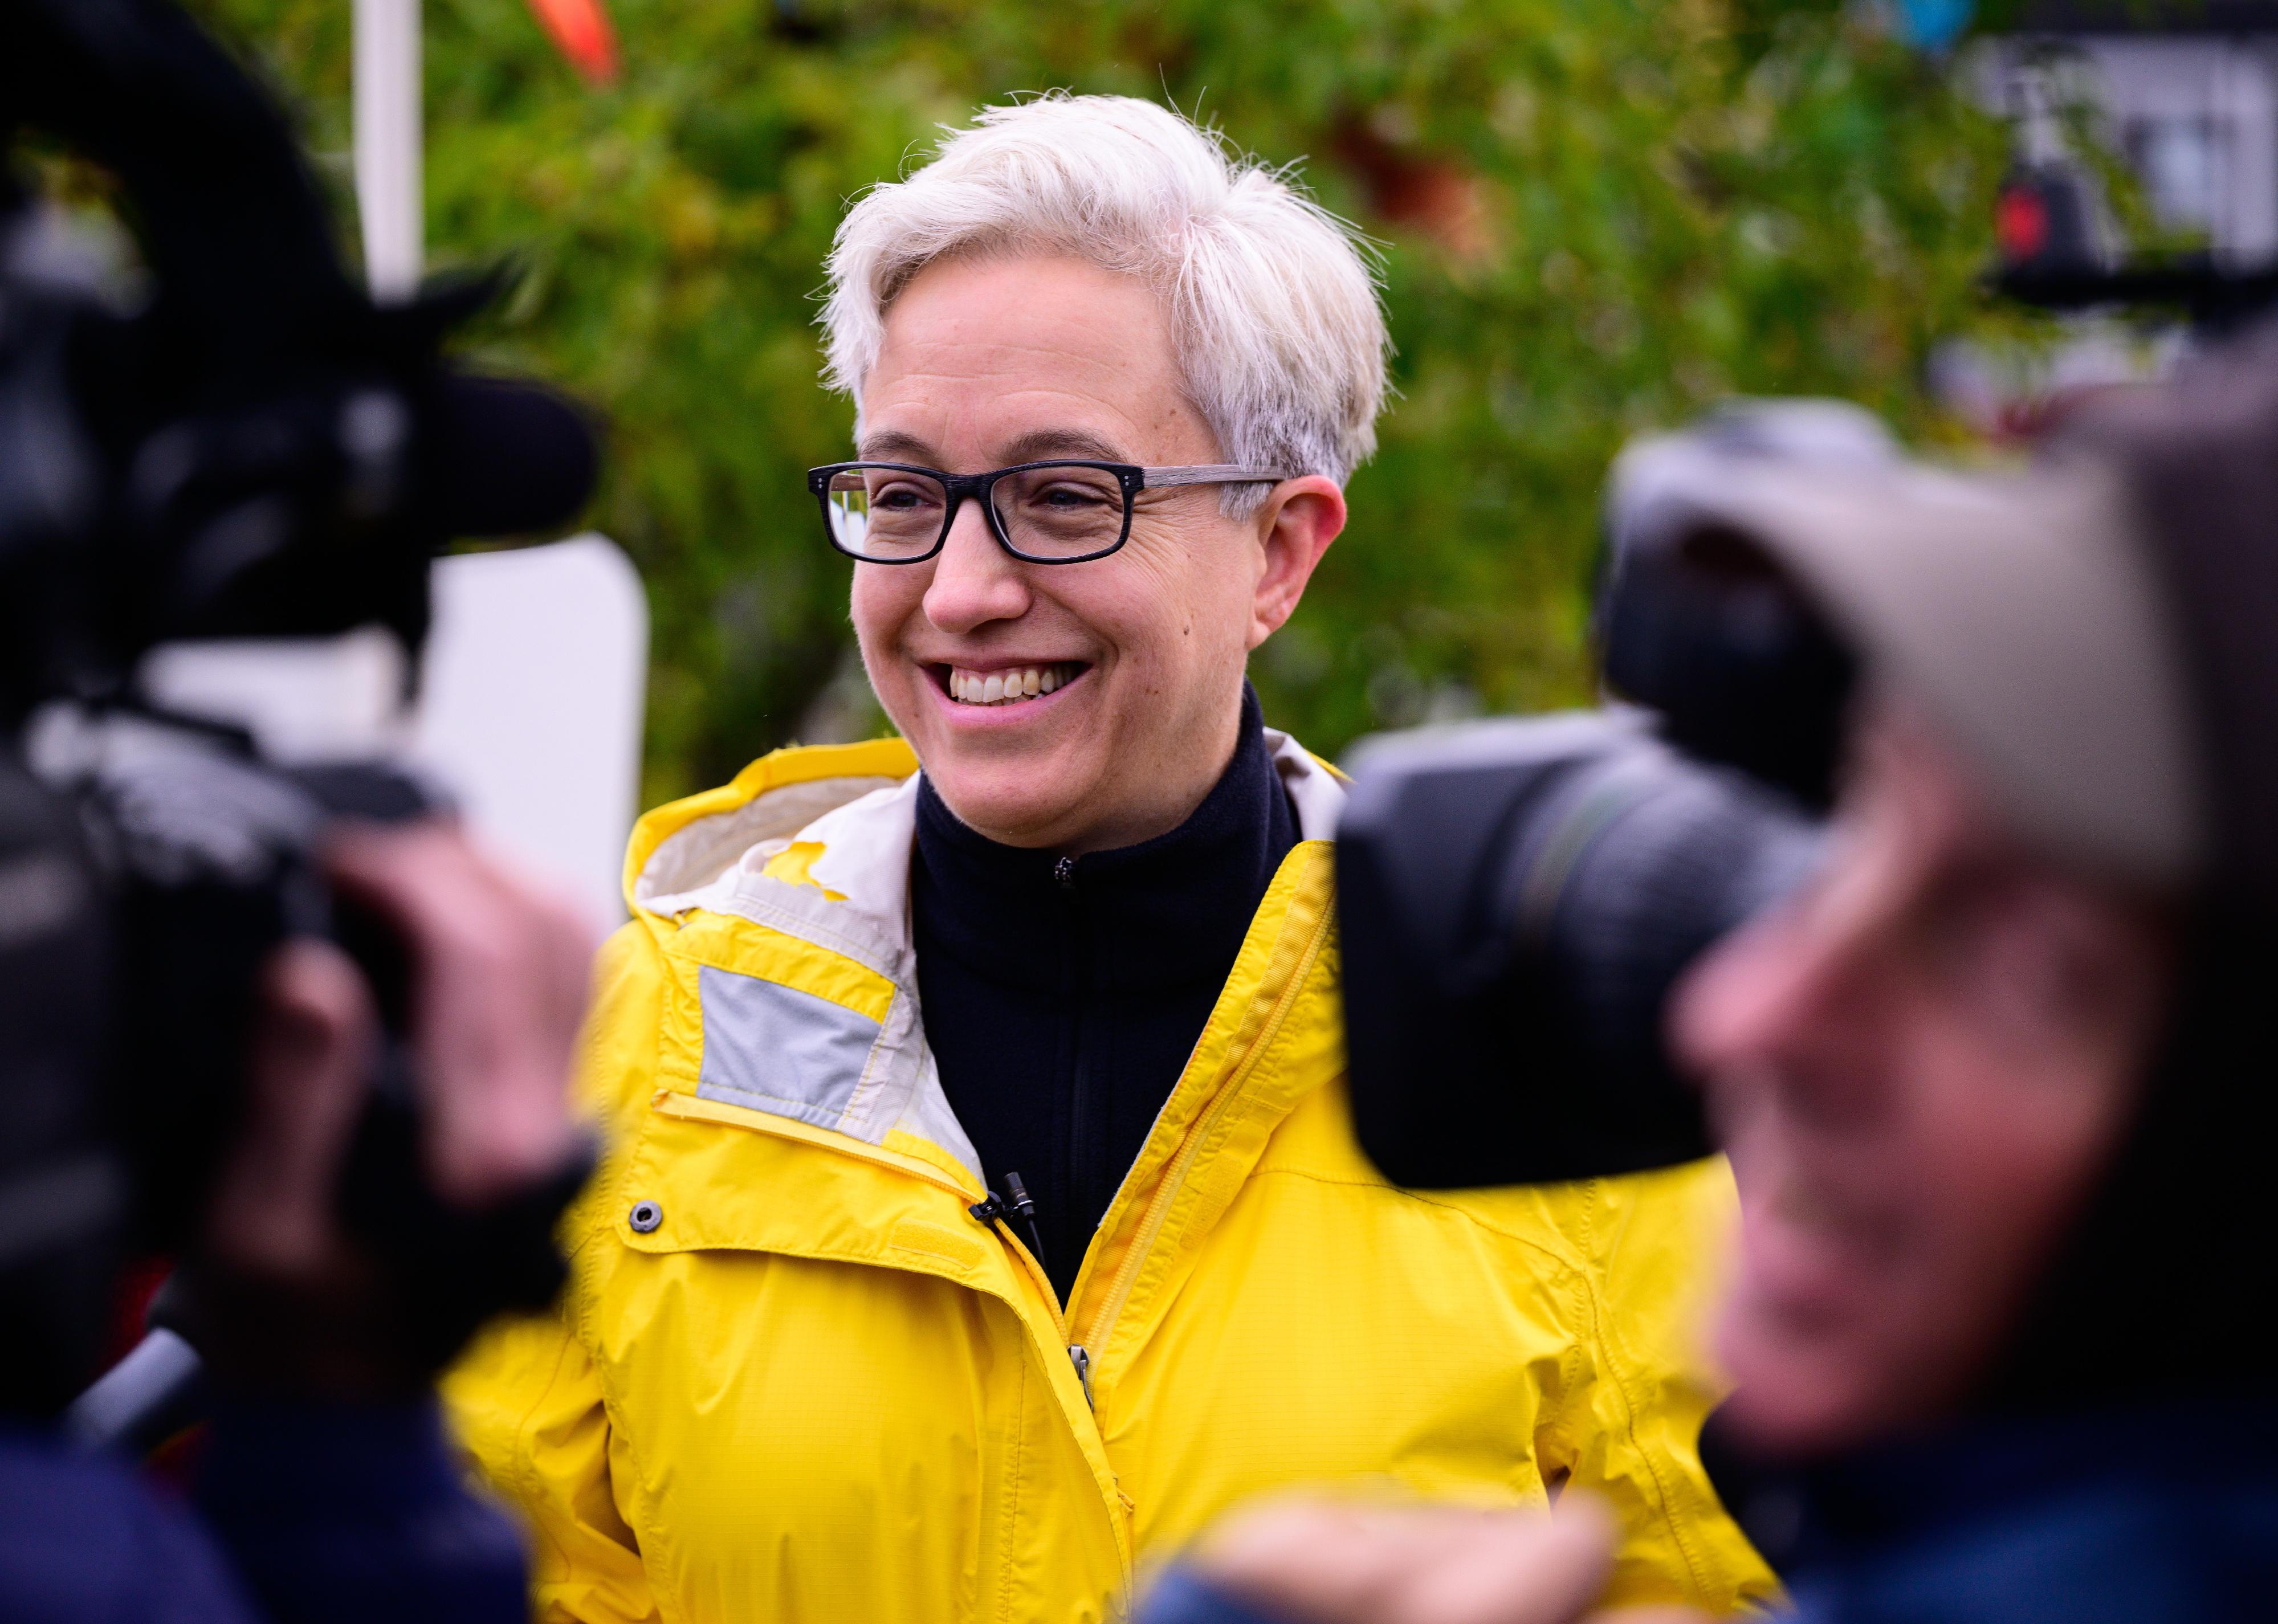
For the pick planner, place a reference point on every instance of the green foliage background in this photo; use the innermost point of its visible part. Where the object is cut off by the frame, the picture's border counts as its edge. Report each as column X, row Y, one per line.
column 1661, row 204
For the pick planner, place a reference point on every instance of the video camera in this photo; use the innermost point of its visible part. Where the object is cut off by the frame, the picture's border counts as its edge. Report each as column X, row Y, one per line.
column 1518, row 898
column 254, row 449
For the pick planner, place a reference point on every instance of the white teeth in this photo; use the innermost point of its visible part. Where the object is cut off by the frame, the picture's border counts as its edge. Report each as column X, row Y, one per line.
column 1008, row 687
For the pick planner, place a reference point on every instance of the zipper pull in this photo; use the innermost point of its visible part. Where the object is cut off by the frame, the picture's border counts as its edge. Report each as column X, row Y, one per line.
column 1064, row 874
column 1080, row 1357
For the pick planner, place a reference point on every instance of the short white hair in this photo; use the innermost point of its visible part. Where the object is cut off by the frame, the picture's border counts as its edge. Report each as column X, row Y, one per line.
column 1271, row 299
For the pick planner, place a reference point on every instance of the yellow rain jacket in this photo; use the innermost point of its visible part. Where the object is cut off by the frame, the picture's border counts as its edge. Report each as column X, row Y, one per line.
column 795, row 1378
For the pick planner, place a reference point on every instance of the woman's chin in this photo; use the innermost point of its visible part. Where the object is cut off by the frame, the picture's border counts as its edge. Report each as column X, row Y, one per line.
column 1012, row 803
column 1011, row 771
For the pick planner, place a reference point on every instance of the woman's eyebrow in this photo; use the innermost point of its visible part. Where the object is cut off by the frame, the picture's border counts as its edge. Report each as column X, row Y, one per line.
column 1040, row 444
column 894, row 447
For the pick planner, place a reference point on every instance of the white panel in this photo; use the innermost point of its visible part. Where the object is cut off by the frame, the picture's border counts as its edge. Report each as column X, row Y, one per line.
column 303, row 699
column 531, row 709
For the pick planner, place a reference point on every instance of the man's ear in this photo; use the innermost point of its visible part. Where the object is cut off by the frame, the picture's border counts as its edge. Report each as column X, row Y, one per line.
column 1300, row 519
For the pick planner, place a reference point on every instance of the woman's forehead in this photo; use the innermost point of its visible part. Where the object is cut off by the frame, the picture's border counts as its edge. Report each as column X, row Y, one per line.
column 876, row 444
column 1002, row 361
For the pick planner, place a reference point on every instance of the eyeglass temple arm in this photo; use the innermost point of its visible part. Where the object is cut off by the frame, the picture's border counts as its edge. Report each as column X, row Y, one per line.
column 1213, row 474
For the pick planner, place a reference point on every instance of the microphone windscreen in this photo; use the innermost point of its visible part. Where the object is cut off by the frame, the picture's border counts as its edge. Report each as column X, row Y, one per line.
column 507, row 458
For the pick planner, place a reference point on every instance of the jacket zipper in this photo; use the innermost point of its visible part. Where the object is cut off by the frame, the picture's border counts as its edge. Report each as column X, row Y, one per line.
column 1079, row 1157
column 1103, row 1323
column 991, row 1212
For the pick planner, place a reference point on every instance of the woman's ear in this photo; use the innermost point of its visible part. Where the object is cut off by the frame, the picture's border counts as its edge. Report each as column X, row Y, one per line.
column 1300, row 519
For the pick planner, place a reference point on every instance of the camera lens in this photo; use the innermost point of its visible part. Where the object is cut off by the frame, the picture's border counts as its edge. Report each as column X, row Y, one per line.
column 1518, row 900
column 1633, row 869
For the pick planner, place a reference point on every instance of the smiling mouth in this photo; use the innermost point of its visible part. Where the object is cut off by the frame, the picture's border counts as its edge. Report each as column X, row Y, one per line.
column 1006, row 687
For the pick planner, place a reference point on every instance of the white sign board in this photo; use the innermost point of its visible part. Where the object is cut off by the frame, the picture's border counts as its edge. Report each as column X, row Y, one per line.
column 536, row 677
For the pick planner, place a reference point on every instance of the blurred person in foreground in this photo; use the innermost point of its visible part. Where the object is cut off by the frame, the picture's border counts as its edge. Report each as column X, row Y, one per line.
column 1995, row 1086
column 985, row 1217
column 325, row 1489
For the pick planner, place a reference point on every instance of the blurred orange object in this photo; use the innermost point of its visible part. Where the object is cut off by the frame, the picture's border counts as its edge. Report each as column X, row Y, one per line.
column 582, row 30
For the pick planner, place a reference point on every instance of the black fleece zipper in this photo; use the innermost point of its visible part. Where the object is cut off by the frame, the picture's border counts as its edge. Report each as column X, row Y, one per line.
column 1062, row 995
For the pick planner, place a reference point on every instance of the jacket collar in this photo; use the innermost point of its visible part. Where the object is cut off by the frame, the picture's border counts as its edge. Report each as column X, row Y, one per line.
column 859, row 803
column 816, row 844
column 1160, row 914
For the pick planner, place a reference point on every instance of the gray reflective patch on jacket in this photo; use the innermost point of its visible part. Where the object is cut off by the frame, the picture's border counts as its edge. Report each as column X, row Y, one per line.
column 772, row 1048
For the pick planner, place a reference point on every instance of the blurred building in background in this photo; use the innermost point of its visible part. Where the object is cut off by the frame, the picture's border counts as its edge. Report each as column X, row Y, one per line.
column 2188, row 97
column 2176, row 101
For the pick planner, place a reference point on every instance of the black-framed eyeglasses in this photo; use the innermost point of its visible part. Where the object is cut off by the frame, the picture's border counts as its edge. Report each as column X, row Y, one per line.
column 1042, row 513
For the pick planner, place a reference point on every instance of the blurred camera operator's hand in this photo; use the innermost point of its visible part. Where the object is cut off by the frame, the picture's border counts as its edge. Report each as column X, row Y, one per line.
column 1314, row 1562
column 285, row 1297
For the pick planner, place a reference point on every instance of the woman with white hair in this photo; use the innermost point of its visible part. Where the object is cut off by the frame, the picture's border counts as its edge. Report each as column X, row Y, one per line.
column 983, row 1216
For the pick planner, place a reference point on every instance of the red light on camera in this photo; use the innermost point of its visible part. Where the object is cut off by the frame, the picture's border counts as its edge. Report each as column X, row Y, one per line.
column 2021, row 223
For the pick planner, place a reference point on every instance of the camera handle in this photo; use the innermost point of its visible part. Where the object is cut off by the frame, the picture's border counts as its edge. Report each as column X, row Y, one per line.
column 156, row 1393
column 472, row 1266
column 446, row 1270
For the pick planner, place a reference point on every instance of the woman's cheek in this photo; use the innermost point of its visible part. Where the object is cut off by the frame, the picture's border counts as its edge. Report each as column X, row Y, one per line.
column 879, row 609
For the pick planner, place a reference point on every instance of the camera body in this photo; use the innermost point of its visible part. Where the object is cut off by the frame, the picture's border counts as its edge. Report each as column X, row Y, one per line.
column 252, row 448
column 147, row 874
column 1518, row 898
column 63, row 1185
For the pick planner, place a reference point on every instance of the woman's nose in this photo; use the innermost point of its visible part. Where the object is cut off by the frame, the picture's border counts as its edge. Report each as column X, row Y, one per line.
column 974, row 580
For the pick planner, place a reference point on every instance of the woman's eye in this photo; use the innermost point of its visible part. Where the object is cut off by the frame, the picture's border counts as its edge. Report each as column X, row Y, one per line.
column 901, row 498
column 1067, row 497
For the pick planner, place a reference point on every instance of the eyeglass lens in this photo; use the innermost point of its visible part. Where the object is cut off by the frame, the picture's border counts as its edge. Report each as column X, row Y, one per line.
column 1058, row 510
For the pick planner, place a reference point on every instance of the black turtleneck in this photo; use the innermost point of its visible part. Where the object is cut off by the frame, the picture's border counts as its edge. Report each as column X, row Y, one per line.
column 1062, row 995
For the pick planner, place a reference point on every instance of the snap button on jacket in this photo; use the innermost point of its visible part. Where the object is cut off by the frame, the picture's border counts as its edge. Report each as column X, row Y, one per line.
column 819, row 1387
